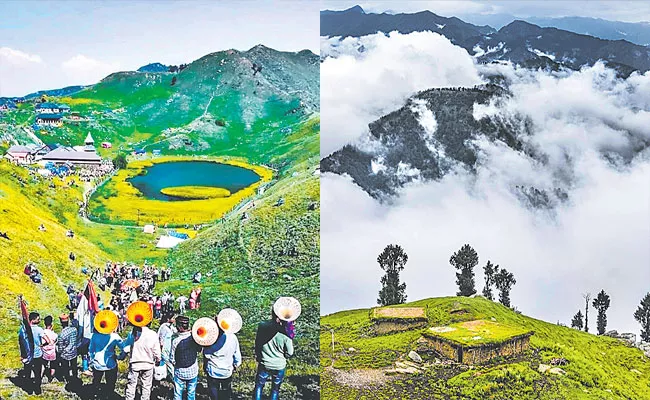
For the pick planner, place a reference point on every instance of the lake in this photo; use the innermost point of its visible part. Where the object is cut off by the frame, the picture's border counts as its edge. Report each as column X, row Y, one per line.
column 192, row 173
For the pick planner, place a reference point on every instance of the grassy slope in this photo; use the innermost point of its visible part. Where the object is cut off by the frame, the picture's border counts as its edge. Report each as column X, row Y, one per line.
column 22, row 213
column 599, row 367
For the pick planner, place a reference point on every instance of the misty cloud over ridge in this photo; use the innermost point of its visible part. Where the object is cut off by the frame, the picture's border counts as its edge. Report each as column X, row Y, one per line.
column 591, row 131
column 361, row 86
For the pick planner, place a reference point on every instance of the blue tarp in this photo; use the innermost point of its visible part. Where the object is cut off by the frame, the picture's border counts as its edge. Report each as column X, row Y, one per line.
column 179, row 235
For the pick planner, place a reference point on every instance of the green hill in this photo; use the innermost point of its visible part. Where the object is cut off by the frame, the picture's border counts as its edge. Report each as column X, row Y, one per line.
column 218, row 103
column 597, row 367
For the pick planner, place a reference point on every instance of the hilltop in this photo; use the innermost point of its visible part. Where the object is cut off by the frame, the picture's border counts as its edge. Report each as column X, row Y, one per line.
column 591, row 367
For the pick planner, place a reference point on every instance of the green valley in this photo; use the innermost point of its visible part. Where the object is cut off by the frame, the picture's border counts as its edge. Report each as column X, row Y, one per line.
column 251, row 246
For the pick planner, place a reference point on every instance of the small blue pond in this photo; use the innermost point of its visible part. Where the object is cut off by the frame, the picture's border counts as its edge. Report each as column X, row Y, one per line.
column 192, row 173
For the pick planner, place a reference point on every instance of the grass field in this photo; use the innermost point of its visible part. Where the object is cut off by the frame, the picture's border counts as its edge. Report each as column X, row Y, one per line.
column 196, row 192
column 476, row 332
column 118, row 202
column 598, row 367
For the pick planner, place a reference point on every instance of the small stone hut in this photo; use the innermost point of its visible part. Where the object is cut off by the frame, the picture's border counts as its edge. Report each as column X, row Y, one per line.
column 397, row 319
column 478, row 353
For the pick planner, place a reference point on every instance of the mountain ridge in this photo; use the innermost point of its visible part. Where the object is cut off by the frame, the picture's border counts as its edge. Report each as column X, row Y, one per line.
column 520, row 41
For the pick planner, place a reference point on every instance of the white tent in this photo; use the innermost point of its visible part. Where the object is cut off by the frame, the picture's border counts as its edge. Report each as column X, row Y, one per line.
column 168, row 242
column 149, row 229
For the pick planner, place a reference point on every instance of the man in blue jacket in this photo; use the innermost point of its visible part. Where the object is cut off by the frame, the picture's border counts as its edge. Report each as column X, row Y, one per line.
column 32, row 353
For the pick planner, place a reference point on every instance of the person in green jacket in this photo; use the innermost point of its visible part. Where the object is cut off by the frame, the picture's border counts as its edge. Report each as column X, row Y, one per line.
column 272, row 348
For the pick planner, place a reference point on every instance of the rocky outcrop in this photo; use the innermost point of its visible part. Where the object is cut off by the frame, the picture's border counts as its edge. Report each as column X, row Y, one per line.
column 629, row 338
column 415, row 357
column 644, row 347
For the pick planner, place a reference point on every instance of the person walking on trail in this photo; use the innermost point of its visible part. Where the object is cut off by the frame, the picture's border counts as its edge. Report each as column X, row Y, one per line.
column 181, row 304
column 272, row 348
column 49, row 349
column 221, row 360
column 145, row 355
column 66, row 348
column 34, row 366
column 183, row 356
column 103, row 359
column 165, row 335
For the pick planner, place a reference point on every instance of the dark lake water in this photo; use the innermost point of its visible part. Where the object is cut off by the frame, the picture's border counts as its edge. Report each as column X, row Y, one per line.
column 192, row 173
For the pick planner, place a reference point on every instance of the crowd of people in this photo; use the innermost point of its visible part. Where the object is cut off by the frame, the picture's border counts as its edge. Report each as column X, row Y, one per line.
column 128, row 283
column 88, row 173
column 171, row 353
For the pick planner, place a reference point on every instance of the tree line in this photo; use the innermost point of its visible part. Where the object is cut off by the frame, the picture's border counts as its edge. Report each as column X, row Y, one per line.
column 601, row 303
column 393, row 259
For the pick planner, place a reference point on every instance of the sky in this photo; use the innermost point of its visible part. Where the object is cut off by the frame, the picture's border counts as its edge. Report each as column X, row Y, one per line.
column 627, row 11
column 597, row 240
column 47, row 45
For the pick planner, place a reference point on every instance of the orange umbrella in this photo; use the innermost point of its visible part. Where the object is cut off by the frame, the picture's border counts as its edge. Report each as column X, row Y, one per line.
column 139, row 313
column 105, row 321
column 130, row 283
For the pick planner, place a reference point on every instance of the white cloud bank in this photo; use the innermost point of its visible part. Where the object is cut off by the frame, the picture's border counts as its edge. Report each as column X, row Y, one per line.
column 18, row 57
column 597, row 240
column 87, row 70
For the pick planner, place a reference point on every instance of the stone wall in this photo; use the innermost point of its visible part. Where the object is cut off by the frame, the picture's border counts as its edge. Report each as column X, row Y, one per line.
column 444, row 347
column 480, row 353
column 386, row 327
column 484, row 353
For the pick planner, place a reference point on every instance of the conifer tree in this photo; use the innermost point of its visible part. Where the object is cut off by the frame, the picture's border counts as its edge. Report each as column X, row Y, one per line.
column 576, row 322
column 489, row 271
column 601, row 304
column 642, row 315
column 504, row 281
column 464, row 260
column 392, row 260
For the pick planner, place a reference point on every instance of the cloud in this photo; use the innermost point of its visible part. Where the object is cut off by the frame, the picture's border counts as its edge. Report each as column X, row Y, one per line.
column 88, row 70
column 18, row 57
column 588, row 128
column 359, row 87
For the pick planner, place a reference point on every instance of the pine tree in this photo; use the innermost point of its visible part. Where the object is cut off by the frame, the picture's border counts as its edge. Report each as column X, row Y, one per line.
column 576, row 322
column 642, row 315
column 601, row 303
column 392, row 260
column 464, row 260
column 504, row 281
column 489, row 271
